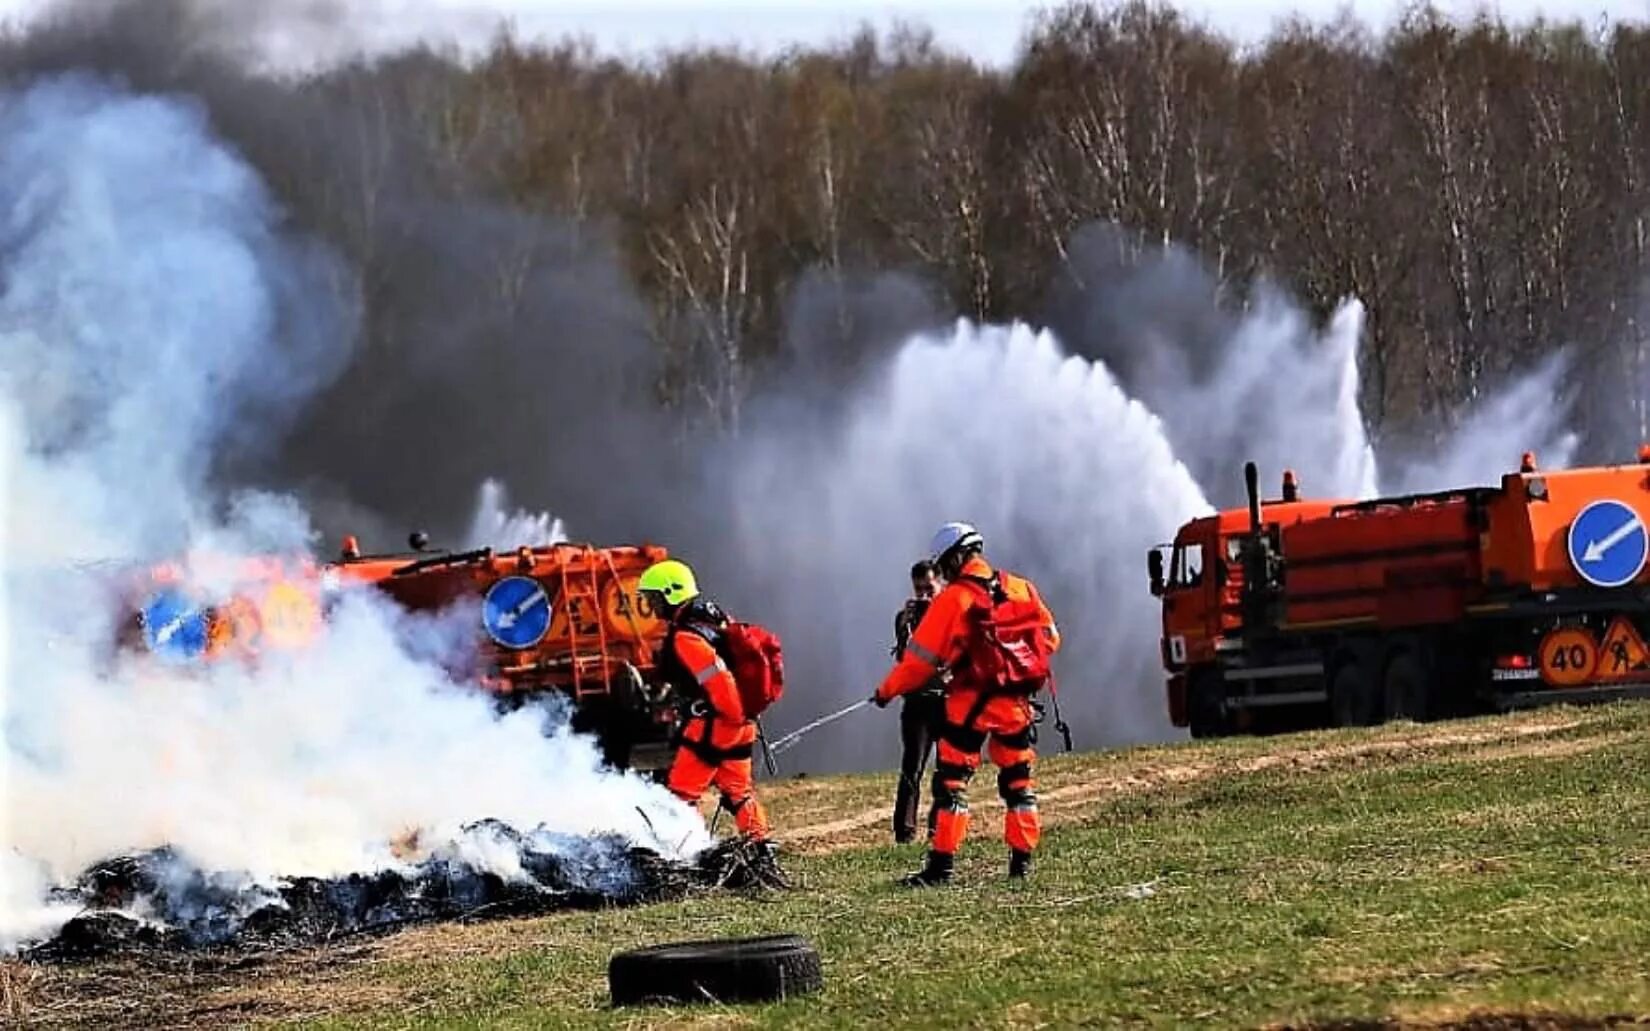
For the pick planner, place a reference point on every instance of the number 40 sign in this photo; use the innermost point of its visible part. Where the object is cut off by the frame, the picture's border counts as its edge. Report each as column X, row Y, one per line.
column 1568, row 657
column 1572, row 656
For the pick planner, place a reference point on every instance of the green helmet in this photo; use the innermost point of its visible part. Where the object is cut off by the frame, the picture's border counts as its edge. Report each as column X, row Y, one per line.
column 671, row 580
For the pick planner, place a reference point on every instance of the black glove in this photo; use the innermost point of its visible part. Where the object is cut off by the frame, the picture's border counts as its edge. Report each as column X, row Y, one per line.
column 879, row 702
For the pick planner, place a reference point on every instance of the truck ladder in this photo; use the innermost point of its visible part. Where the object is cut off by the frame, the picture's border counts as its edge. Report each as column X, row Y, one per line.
column 587, row 587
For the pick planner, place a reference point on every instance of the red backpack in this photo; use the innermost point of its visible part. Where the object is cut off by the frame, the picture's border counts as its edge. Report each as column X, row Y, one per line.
column 1009, row 650
column 757, row 663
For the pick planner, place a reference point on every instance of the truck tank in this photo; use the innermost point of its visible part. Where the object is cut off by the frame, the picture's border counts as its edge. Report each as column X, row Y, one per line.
column 1422, row 606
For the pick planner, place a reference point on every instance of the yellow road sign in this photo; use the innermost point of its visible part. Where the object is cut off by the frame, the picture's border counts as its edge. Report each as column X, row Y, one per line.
column 289, row 616
column 1623, row 655
column 623, row 608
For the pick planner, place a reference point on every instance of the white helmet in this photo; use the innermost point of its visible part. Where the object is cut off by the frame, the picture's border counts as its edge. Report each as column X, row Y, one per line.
column 954, row 535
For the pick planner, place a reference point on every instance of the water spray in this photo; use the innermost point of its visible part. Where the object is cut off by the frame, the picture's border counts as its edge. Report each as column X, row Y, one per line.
column 796, row 735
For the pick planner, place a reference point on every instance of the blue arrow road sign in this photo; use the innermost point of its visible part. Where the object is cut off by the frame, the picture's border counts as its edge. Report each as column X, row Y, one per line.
column 516, row 612
column 1608, row 543
column 175, row 627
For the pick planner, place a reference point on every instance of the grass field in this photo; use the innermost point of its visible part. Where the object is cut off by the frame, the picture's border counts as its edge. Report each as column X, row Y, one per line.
column 1491, row 873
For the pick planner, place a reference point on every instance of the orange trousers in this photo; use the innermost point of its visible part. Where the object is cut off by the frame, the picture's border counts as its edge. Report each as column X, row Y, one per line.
column 1007, row 723
column 715, row 752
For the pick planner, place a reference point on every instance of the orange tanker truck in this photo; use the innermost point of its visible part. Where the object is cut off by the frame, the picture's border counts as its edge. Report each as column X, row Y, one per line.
column 563, row 618
column 1298, row 613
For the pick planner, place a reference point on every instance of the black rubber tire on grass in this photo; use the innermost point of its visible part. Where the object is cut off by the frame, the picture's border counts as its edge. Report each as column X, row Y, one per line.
column 732, row 970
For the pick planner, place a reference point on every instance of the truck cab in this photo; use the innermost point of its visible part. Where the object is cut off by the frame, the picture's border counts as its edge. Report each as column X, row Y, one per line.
column 1412, row 606
column 1190, row 576
column 1199, row 578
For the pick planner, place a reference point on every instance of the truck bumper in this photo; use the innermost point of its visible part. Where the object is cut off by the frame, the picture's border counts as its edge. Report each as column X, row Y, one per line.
column 1585, row 695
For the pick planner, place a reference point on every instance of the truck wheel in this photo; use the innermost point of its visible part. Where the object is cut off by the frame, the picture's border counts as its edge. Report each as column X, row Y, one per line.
column 1353, row 698
column 615, row 745
column 1206, row 706
column 735, row 970
column 1406, row 687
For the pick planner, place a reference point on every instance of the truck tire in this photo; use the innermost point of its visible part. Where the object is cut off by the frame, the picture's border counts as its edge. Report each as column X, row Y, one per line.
column 1406, row 687
column 732, row 970
column 1354, row 699
column 1206, row 706
column 615, row 747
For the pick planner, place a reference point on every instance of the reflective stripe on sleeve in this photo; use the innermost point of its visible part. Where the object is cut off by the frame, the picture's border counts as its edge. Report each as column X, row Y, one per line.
column 922, row 653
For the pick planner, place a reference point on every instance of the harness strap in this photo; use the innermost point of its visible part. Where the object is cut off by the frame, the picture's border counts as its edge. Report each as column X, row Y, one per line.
column 1020, row 739
column 709, row 752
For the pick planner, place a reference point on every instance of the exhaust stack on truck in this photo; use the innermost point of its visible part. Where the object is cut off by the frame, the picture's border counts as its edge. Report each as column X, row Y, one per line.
column 1295, row 613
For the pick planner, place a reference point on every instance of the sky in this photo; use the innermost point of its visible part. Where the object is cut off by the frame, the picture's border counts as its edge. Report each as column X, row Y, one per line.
column 987, row 30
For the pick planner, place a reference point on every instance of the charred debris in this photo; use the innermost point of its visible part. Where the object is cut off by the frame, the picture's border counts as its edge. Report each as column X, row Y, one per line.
column 158, row 901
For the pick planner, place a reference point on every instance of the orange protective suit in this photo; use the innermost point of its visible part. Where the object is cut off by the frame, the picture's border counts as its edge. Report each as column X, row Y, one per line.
column 716, row 746
column 973, row 716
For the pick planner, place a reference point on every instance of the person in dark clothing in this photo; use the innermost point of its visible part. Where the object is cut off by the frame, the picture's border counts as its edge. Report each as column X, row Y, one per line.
column 921, row 713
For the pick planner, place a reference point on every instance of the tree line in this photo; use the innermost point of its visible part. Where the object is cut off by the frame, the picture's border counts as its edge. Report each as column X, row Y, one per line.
column 1484, row 188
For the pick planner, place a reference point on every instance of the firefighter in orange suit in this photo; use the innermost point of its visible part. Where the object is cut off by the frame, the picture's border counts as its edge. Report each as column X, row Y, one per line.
column 717, row 741
column 981, row 702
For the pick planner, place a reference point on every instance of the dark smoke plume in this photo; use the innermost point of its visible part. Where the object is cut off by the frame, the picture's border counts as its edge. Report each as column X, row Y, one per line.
column 492, row 341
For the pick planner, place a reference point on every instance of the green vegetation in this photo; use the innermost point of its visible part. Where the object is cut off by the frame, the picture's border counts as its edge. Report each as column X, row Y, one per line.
column 1420, row 873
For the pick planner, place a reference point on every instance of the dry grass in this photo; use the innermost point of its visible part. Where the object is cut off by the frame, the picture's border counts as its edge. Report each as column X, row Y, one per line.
column 812, row 822
column 1271, row 838
column 16, row 988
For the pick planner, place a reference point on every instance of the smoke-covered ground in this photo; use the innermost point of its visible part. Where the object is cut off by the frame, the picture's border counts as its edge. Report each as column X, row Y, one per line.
column 154, row 316
column 200, row 356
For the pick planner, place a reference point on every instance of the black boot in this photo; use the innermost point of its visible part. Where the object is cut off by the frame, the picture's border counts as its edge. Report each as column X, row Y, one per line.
column 763, row 865
column 1019, row 864
column 938, row 871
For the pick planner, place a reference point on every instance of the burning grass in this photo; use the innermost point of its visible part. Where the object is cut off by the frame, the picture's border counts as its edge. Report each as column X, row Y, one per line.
column 1352, row 888
column 157, row 902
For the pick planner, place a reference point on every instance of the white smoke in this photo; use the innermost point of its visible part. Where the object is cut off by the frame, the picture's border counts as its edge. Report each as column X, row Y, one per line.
column 1528, row 415
column 495, row 526
column 152, row 316
column 23, row 883
column 310, row 765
